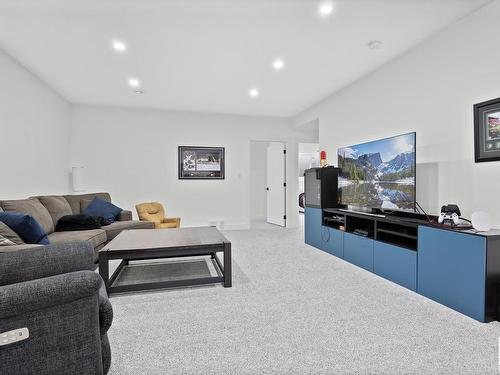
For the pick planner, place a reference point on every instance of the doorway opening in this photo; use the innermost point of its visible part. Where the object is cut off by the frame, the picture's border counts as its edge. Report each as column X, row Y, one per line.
column 268, row 183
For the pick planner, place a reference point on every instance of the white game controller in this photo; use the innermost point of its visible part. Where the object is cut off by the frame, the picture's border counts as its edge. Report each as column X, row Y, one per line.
column 444, row 216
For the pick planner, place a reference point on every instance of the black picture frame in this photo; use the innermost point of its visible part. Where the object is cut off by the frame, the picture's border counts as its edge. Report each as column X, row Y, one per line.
column 201, row 163
column 487, row 131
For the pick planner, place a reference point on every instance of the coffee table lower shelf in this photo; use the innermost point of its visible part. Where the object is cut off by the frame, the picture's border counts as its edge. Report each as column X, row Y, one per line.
column 113, row 288
column 223, row 269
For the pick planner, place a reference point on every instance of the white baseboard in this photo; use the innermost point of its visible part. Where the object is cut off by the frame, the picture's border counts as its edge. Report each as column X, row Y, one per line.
column 236, row 226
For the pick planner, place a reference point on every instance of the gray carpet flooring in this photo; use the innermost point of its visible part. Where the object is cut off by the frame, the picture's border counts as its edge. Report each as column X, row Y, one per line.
column 295, row 310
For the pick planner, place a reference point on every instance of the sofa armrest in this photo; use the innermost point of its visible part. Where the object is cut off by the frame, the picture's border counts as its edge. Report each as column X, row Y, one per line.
column 125, row 215
column 176, row 220
column 61, row 313
column 45, row 261
column 39, row 294
column 105, row 310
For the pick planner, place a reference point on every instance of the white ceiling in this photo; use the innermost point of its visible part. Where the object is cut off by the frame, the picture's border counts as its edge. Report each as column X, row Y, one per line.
column 204, row 55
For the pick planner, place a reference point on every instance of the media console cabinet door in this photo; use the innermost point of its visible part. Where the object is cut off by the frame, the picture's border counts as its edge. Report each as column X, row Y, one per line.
column 312, row 226
column 396, row 264
column 337, row 242
column 358, row 250
column 452, row 270
column 333, row 241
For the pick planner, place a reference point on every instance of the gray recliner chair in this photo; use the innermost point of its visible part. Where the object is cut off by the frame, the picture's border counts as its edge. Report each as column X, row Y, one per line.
column 53, row 292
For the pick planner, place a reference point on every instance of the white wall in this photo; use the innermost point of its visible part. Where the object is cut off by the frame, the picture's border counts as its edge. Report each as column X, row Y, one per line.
column 258, row 180
column 34, row 134
column 430, row 90
column 132, row 153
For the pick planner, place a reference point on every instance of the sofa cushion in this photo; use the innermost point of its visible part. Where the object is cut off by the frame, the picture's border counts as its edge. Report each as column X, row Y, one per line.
column 8, row 233
column 84, row 203
column 57, row 206
column 33, row 207
column 75, row 200
column 99, row 207
column 115, row 228
column 96, row 237
column 26, row 227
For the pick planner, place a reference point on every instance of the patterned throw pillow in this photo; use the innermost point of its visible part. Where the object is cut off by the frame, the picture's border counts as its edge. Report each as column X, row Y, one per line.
column 5, row 241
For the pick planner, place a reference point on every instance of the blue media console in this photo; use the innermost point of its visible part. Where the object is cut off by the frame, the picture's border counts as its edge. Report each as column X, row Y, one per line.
column 460, row 270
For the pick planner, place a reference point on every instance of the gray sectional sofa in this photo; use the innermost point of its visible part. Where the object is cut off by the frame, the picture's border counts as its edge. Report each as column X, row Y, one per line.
column 47, row 210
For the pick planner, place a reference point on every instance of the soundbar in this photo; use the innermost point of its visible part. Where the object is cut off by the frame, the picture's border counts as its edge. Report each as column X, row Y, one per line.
column 361, row 213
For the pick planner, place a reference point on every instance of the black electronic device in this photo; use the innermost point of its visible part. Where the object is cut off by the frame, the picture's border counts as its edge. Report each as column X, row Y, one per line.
column 321, row 187
column 361, row 232
column 333, row 220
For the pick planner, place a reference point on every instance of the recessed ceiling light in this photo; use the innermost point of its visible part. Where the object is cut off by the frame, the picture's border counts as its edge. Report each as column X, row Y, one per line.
column 253, row 93
column 278, row 64
column 119, row 46
column 134, row 82
column 325, row 9
column 139, row 91
column 375, row 44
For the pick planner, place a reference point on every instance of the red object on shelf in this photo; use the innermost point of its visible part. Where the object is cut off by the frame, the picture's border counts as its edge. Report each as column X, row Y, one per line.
column 322, row 159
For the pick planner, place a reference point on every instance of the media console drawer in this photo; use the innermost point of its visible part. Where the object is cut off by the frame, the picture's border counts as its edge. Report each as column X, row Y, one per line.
column 358, row 250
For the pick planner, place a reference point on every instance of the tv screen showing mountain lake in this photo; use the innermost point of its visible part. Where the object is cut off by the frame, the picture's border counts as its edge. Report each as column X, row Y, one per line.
column 379, row 174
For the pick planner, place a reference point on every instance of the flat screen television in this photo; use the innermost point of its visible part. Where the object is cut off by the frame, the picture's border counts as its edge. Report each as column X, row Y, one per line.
column 379, row 174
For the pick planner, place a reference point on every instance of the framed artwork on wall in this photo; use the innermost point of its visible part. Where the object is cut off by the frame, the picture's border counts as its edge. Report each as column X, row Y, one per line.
column 201, row 163
column 487, row 131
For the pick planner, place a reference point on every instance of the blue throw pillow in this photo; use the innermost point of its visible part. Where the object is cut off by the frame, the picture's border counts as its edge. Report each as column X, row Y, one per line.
column 26, row 227
column 99, row 207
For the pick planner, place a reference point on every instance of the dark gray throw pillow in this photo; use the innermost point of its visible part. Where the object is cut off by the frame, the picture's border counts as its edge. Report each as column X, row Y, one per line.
column 78, row 222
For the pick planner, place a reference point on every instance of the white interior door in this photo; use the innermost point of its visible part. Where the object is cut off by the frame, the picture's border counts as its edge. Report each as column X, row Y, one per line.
column 276, row 183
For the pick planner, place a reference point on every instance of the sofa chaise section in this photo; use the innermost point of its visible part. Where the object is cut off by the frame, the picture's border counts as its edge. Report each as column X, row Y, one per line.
column 96, row 237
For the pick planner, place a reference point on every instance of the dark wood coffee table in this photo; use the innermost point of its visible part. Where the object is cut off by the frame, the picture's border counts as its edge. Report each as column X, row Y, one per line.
column 140, row 244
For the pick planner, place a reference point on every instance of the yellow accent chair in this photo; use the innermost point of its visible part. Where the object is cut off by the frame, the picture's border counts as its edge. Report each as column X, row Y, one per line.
column 154, row 212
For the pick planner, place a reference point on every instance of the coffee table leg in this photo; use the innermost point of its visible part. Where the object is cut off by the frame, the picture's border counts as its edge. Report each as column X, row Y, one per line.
column 104, row 268
column 228, row 281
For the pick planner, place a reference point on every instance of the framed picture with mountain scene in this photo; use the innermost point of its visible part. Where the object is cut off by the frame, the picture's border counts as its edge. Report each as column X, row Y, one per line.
column 487, row 131
column 201, row 163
